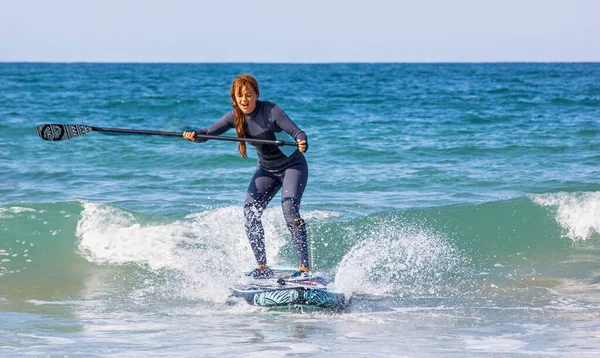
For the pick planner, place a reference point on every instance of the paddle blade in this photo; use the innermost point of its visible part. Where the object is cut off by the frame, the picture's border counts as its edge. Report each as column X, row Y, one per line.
column 61, row 131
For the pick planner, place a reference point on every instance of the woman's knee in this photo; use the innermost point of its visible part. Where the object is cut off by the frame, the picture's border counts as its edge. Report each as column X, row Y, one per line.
column 291, row 214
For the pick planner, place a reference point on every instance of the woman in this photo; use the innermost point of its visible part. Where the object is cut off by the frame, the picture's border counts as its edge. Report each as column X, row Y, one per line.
column 252, row 118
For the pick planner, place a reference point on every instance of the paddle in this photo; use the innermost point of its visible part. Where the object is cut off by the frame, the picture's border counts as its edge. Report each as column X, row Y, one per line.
column 54, row 132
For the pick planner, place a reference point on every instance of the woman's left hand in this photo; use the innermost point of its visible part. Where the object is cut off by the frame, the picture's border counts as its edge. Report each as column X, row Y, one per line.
column 301, row 145
column 190, row 135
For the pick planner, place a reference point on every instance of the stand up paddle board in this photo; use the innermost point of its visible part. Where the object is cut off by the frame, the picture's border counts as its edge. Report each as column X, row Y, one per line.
column 283, row 290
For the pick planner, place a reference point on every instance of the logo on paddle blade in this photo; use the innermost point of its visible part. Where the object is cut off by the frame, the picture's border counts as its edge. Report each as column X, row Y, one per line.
column 61, row 131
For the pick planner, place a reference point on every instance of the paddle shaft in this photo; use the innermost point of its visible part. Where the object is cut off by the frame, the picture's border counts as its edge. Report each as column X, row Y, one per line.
column 204, row 136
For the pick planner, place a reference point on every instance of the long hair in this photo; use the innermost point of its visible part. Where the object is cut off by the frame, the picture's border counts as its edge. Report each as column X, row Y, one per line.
column 241, row 125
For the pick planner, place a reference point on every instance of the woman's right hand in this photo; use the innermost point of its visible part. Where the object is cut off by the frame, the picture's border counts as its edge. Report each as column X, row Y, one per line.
column 190, row 135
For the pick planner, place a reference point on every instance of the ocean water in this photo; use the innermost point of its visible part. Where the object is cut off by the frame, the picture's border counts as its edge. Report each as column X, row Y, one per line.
column 458, row 205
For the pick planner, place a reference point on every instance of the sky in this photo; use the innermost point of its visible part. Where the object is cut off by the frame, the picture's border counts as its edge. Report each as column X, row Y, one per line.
column 305, row 31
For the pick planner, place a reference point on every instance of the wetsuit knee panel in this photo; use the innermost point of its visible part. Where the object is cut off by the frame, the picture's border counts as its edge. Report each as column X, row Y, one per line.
column 299, row 223
column 295, row 224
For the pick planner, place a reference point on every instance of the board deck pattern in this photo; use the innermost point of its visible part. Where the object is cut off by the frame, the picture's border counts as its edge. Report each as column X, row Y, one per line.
column 284, row 291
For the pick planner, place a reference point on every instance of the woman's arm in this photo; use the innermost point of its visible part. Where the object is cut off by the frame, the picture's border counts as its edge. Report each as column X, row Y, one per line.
column 221, row 126
column 284, row 122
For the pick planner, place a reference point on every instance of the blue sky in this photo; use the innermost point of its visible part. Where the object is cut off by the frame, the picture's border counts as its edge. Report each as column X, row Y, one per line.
column 300, row 31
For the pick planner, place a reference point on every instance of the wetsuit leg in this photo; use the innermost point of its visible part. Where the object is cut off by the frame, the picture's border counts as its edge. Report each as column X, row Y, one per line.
column 294, row 183
column 261, row 190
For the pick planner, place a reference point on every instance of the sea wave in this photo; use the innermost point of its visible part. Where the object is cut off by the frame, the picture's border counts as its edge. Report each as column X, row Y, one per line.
column 401, row 252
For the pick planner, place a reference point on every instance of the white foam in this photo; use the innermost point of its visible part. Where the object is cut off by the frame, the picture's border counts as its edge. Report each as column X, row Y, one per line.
column 397, row 260
column 209, row 249
column 577, row 213
column 498, row 344
column 317, row 215
column 43, row 303
column 18, row 209
column 109, row 235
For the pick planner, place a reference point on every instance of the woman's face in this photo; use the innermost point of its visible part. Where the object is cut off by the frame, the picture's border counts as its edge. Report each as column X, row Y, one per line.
column 246, row 99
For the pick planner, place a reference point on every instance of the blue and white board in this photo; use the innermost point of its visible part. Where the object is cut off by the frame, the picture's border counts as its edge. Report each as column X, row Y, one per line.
column 285, row 291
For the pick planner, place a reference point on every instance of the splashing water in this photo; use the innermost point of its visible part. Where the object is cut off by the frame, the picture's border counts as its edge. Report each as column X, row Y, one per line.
column 397, row 260
column 577, row 213
column 205, row 253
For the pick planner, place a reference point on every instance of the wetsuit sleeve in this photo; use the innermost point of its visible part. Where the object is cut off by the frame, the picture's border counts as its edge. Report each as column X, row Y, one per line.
column 219, row 127
column 287, row 125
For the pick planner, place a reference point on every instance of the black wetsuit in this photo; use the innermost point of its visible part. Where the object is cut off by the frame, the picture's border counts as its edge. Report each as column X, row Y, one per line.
column 275, row 171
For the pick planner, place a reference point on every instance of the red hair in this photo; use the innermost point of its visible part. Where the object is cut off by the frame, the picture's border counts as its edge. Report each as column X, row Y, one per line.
column 241, row 82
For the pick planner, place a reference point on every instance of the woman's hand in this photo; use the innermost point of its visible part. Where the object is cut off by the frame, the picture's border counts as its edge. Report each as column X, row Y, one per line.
column 190, row 135
column 301, row 145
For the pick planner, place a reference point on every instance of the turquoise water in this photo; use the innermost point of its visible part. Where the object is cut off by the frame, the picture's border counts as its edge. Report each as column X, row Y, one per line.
column 457, row 204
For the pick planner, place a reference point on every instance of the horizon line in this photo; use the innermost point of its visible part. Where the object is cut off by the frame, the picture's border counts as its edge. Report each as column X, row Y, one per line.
column 296, row 63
